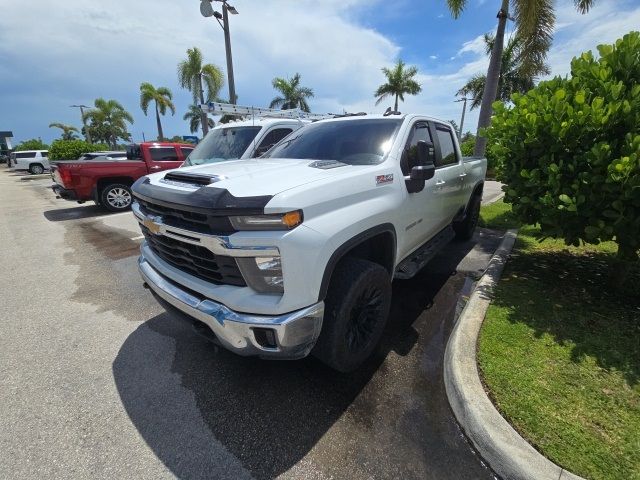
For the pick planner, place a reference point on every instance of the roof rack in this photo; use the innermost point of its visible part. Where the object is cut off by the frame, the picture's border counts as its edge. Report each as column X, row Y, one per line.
column 217, row 108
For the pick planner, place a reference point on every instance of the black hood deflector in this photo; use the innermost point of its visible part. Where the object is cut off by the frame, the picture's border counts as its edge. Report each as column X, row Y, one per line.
column 206, row 200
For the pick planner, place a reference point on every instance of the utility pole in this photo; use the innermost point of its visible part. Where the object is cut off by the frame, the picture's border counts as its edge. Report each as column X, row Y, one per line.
column 464, row 109
column 84, row 122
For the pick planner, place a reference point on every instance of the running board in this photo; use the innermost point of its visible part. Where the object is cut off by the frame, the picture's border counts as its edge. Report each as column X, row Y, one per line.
column 418, row 259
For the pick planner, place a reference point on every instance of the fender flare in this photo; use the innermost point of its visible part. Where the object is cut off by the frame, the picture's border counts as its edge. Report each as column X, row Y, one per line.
column 343, row 249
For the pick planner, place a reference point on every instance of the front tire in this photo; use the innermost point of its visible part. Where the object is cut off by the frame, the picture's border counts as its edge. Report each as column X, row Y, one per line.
column 116, row 197
column 36, row 169
column 464, row 229
column 356, row 312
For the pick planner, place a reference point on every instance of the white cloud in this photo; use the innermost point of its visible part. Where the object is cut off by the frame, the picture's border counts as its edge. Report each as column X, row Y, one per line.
column 606, row 22
column 79, row 50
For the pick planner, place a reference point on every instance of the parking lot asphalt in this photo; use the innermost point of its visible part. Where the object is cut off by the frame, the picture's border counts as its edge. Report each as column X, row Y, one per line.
column 97, row 381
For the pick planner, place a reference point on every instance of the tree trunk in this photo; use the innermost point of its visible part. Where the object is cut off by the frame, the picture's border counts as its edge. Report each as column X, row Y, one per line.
column 491, row 85
column 395, row 108
column 160, row 134
column 203, row 116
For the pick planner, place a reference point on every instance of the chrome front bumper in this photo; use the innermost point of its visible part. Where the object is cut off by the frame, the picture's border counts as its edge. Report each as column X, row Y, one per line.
column 295, row 333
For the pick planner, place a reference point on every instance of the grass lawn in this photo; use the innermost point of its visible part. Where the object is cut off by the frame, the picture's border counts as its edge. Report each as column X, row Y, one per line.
column 559, row 352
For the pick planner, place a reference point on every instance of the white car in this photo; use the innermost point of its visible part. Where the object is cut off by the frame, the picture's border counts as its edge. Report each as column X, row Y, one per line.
column 35, row 161
column 294, row 252
column 243, row 139
column 105, row 155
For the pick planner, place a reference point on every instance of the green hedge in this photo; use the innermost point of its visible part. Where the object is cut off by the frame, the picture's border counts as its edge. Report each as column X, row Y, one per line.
column 72, row 149
column 569, row 150
column 32, row 144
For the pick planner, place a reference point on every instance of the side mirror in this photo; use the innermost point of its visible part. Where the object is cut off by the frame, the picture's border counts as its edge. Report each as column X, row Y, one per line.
column 423, row 172
column 426, row 153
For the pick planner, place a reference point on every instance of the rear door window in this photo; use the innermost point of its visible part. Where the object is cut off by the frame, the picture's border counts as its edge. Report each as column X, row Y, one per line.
column 163, row 154
column 25, row 155
column 447, row 147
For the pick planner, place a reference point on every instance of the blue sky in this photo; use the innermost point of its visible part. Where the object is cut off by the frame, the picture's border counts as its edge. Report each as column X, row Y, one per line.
column 52, row 56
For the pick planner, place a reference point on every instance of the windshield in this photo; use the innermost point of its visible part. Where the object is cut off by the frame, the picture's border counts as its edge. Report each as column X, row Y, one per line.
column 355, row 142
column 222, row 144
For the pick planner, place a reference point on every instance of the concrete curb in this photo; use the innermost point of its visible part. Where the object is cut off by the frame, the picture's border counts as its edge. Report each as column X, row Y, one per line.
column 506, row 452
column 494, row 199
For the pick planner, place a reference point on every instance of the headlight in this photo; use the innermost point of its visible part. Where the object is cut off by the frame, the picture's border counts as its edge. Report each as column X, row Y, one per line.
column 280, row 221
column 263, row 274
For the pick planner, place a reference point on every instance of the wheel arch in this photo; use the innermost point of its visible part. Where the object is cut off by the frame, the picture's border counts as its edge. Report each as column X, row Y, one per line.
column 365, row 245
column 105, row 181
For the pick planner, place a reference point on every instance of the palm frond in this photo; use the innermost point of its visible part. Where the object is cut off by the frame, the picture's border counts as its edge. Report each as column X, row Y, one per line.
column 535, row 21
column 456, row 7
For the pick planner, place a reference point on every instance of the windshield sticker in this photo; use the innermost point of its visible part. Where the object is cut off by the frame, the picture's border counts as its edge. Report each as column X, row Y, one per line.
column 384, row 179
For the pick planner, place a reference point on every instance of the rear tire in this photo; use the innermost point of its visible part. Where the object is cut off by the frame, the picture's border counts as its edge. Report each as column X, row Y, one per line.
column 36, row 169
column 464, row 229
column 116, row 197
column 356, row 312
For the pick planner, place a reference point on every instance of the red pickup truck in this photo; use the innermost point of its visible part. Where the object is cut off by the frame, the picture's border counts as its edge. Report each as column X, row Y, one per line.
column 108, row 182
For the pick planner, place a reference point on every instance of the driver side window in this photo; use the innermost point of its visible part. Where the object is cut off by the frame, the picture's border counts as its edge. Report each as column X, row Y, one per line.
column 419, row 132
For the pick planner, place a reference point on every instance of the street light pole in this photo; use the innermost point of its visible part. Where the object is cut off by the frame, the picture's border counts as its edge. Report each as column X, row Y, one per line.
column 223, row 20
column 84, row 122
column 464, row 109
column 227, row 46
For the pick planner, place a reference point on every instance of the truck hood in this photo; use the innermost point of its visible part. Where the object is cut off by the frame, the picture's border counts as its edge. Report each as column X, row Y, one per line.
column 254, row 177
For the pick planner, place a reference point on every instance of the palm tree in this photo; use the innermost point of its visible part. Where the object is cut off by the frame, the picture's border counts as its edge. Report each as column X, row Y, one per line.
column 194, row 116
column 161, row 97
column 292, row 94
column 535, row 22
column 514, row 74
column 108, row 121
column 200, row 79
column 68, row 131
column 399, row 82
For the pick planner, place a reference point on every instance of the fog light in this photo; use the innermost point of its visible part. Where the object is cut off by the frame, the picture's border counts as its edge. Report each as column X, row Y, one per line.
column 263, row 274
column 269, row 263
column 266, row 337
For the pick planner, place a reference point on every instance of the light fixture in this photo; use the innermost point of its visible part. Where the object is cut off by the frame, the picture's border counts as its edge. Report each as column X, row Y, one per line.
column 205, row 8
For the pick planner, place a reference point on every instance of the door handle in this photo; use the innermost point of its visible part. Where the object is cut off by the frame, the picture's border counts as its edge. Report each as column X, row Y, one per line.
column 462, row 175
column 154, row 167
column 439, row 183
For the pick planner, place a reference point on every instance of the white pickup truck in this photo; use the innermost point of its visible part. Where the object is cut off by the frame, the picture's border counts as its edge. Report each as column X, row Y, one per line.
column 294, row 253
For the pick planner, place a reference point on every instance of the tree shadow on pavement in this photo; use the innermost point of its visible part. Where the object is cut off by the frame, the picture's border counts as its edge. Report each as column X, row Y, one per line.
column 195, row 403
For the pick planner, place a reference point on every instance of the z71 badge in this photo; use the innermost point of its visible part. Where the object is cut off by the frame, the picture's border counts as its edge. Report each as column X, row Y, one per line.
column 384, row 179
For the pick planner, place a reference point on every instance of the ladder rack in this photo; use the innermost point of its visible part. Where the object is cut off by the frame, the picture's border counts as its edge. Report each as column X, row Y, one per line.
column 217, row 108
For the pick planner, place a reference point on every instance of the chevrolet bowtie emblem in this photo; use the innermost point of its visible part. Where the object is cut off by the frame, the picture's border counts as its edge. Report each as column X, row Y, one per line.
column 151, row 225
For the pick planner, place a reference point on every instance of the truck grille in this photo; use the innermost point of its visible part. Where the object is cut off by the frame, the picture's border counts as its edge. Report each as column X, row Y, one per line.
column 195, row 260
column 193, row 221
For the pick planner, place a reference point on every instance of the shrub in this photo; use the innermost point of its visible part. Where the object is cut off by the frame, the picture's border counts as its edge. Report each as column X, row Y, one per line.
column 72, row 149
column 569, row 151
column 467, row 146
column 32, row 144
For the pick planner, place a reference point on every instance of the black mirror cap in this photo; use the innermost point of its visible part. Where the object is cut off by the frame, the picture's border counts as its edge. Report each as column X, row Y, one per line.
column 423, row 172
column 426, row 153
